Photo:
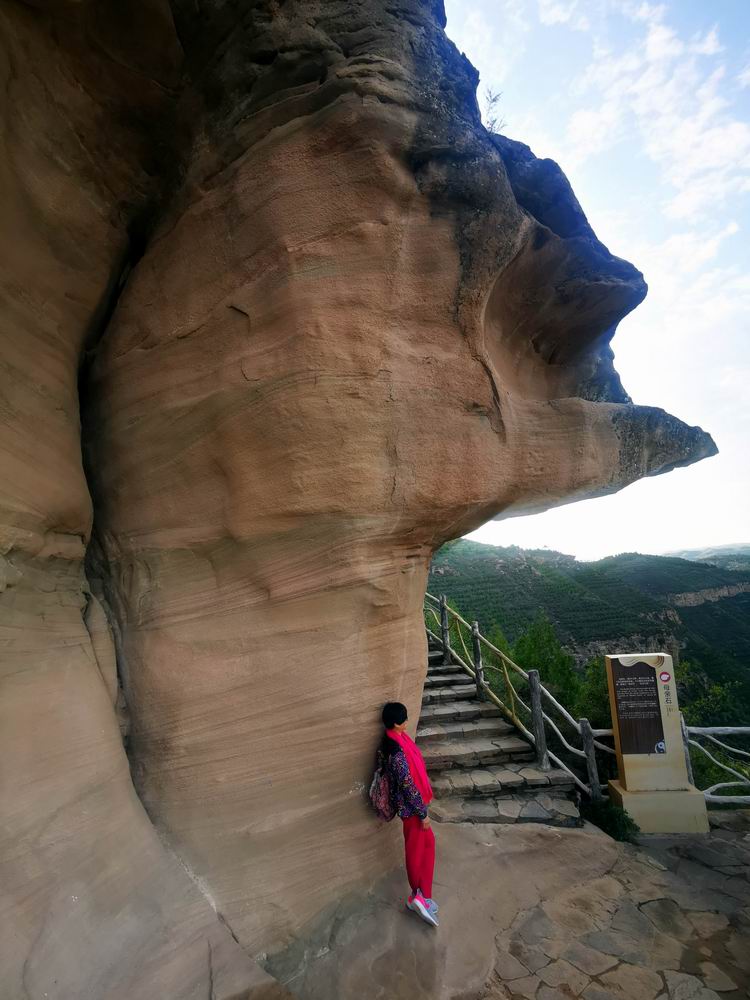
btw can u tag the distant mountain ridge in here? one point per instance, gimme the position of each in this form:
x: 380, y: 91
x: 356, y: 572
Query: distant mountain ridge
x: 735, y: 556
x: 628, y: 602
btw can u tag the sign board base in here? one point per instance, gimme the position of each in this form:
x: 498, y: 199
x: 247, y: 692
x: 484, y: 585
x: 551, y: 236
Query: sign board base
x: 678, y: 811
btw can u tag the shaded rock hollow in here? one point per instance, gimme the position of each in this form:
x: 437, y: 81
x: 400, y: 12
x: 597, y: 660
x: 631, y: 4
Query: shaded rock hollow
x: 300, y: 319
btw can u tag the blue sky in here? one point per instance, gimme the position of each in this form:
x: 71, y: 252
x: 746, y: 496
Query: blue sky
x: 646, y: 108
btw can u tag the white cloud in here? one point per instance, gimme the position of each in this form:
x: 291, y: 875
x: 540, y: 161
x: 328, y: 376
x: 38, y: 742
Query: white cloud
x: 492, y: 35
x: 592, y: 130
x: 528, y: 127
x: 563, y: 12
x: 743, y: 77
x: 644, y: 11
x: 709, y: 45
x: 668, y: 92
x: 682, y: 254
x: 662, y: 43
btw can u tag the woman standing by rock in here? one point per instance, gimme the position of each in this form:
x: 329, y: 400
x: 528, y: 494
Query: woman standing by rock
x: 411, y: 792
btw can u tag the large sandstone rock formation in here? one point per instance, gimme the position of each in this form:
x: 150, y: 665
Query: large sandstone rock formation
x: 315, y: 321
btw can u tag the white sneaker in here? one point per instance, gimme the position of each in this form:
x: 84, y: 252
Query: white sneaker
x: 431, y: 904
x: 418, y: 903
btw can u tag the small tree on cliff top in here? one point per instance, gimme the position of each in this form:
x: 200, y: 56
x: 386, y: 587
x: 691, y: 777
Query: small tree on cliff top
x: 492, y: 122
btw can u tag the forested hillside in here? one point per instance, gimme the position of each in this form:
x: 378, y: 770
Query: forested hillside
x: 699, y: 612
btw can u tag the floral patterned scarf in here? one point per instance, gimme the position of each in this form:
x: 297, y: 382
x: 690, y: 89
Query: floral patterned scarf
x: 415, y: 761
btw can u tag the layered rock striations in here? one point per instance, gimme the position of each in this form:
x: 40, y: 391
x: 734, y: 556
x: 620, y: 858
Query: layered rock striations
x: 323, y: 321
x: 91, y: 903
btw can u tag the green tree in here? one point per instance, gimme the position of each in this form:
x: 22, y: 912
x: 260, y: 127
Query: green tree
x: 538, y: 648
x: 705, y: 701
x: 498, y: 638
x: 457, y: 631
x: 593, y: 698
x: 460, y: 634
x: 496, y: 677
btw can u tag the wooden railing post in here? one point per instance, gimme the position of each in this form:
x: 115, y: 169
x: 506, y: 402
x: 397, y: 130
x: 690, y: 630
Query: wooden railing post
x: 478, y: 668
x: 686, y: 748
x: 537, y: 722
x: 444, y: 629
x: 593, y: 771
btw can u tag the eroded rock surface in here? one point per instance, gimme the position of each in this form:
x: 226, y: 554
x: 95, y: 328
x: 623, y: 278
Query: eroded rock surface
x: 317, y: 321
x: 91, y: 904
x: 535, y: 913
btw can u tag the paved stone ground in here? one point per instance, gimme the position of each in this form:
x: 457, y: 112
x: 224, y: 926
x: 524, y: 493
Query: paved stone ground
x: 532, y: 912
x: 670, y: 919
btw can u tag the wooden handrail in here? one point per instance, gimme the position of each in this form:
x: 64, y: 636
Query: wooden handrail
x: 539, y: 717
x: 506, y: 661
x: 515, y: 720
x: 582, y: 727
x: 724, y: 746
x: 707, y: 733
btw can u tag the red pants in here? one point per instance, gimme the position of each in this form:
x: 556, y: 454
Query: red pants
x: 419, y: 846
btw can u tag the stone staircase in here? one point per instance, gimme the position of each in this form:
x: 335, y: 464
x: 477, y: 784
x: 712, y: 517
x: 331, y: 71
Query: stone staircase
x: 481, y: 769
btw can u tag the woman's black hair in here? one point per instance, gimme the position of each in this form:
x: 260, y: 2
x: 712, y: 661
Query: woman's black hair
x: 394, y: 713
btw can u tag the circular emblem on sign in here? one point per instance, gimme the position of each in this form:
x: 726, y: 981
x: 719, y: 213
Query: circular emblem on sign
x: 664, y: 677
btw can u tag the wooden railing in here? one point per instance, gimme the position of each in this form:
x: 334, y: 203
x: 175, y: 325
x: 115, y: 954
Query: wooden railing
x: 692, y: 735
x: 447, y: 627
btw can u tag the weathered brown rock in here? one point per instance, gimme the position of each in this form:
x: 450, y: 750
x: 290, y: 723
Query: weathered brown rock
x: 347, y: 325
x: 91, y: 903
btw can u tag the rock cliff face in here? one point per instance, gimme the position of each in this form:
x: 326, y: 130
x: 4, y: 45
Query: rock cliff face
x: 91, y: 903
x: 317, y: 321
x: 693, y: 599
x: 638, y: 643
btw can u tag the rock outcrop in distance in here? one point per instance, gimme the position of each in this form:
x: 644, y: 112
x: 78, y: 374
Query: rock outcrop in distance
x: 279, y: 318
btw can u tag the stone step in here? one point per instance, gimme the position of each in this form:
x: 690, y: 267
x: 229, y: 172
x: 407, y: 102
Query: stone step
x: 435, y: 670
x: 481, y: 770
x: 432, y: 695
x: 441, y: 680
x: 443, y: 754
x: 458, y: 711
x: 470, y: 729
x: 501, y: 781
x: 540, y: 809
